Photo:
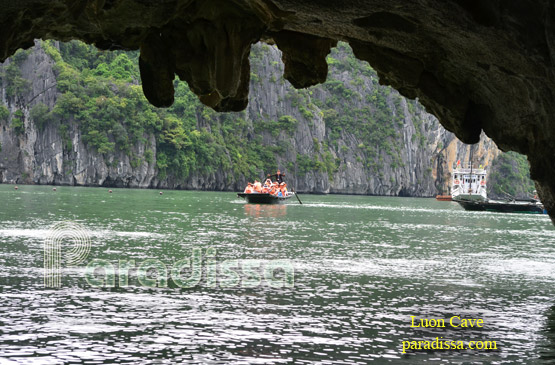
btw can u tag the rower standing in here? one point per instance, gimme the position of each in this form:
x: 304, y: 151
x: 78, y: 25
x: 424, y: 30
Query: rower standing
x: 279, y: 176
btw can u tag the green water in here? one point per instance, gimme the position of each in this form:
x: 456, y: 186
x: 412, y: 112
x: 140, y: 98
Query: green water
x: 362, y: 267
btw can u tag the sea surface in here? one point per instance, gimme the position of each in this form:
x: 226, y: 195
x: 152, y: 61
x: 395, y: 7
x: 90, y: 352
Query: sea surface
x: 332, y: 281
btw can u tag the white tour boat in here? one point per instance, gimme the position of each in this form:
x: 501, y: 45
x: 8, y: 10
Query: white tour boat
x: 468, y: 183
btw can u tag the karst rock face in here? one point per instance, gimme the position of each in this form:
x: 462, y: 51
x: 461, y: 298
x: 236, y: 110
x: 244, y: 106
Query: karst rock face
x: 477, y: 65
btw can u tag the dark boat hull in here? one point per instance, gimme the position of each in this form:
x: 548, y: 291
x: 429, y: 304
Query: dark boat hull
x: 263, y: 198
x: 502, y: 207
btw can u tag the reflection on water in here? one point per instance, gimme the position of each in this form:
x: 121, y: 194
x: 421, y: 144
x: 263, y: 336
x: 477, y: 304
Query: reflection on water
x: 265, y: 210
x: 363, y: 265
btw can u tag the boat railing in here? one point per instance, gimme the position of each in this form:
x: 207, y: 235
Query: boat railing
x: 477, y: 171
x: 466, y: 165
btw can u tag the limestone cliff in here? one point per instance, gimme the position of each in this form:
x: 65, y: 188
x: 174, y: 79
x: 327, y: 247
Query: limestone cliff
x: 349, y: 135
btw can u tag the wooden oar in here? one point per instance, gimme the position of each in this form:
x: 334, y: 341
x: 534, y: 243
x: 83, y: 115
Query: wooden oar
x: 297, y: 197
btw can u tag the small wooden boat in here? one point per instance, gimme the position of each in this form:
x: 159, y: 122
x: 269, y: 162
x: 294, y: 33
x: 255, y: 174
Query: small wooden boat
x: 446, y: 198
x: 261, y: 198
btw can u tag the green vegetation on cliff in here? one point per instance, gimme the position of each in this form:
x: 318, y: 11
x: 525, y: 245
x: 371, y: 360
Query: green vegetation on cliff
x: 4, y: 113
x: 509, y: 176
x: 11, y: 78
x: 101, y: 92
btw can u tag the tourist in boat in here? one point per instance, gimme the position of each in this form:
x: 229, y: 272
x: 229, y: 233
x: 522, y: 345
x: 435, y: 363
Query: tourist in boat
x: 266, y: 186
x: 282, y: 189
x: 257, y: 187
